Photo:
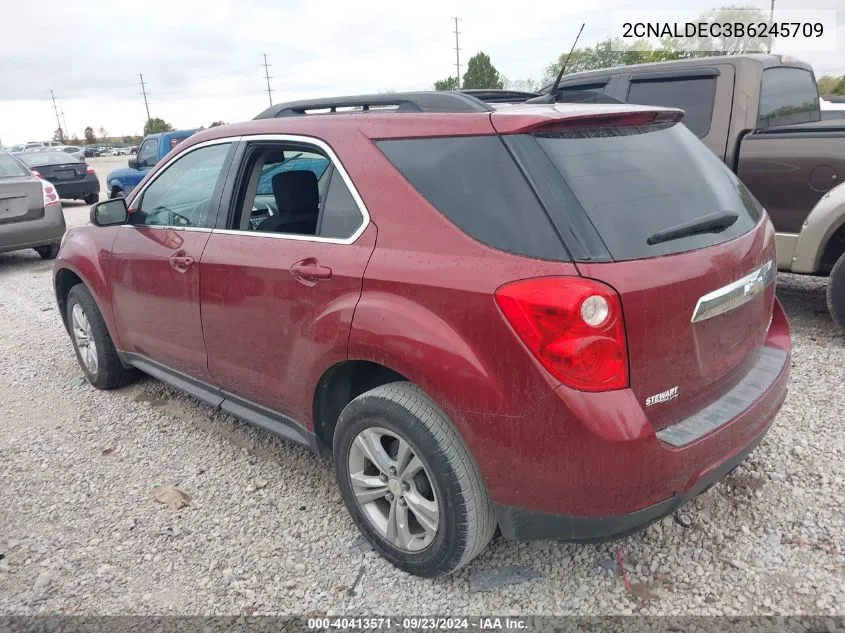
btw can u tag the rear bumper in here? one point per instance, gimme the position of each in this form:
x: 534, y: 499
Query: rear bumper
x: 528, y: 525
x: 31, y: 233
x: 78, y: 189
x: 587, y: 467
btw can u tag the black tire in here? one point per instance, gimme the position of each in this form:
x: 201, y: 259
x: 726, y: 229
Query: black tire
x: 466, y: 519
x: 48, y: 252
x: 836, y: 292
x: 117, y: 193
x: 91, y: 198
x: 109, y: 372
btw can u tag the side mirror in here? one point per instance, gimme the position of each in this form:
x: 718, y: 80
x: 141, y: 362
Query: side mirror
x: 133, y: 163
x: 109, y: 212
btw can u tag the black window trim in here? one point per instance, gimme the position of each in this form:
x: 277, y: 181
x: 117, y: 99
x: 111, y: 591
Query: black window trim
x: 233, y: 185
x: 138, y: 194
x: 681, y: 73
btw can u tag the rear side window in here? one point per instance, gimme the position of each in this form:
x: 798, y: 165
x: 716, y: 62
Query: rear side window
x: 634, y: 182
x: 476, y: 184
x: 833, y: 115
x: 788, y: 96
x: 693, y: 95
x: 10, y: 167
x: 341, y: 215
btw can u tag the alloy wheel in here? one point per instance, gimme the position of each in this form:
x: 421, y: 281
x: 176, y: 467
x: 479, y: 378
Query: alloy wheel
x: 83, y: 337
x: 394, y: 489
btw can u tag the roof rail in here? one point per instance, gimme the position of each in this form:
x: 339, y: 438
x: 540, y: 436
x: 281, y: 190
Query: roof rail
x: 428, y: 101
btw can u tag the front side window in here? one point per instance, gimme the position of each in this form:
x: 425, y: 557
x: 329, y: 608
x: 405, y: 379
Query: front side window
x: 294, y: 190
x: 182, y: 194
x: 788, y: 96
x: 148, y: 152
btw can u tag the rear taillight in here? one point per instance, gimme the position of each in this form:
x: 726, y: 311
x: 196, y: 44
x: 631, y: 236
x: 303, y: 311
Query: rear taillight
x: 573, y: 326
x: 90, y: 171
x: 51, y: 196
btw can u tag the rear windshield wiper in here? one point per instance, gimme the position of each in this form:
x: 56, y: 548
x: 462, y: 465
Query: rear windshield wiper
x: 713, y: 223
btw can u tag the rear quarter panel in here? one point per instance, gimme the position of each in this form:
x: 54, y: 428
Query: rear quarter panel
x: 427, y: 308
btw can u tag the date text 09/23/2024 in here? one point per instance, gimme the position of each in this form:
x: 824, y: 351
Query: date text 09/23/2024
x: 418, y: 623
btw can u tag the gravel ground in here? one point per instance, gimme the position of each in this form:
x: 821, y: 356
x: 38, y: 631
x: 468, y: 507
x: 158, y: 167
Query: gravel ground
x: 81, y: 533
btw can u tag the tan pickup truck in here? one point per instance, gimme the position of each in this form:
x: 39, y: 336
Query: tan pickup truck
x: 761, y: 115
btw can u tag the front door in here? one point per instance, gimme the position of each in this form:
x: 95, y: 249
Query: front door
x: 279, y: 285
x: 155, y: 261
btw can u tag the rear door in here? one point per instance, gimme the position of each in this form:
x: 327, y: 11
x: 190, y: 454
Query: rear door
x: 696, y: 306
x: 155, y: 260
x: 280, y: 282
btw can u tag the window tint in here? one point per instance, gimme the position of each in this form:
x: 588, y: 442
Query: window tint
x: 475, y: 183
x: 788, y: 96
x: 148, y: 153
x: 341, y: 216
x: 633, y: 182
x: 182, y: 194
x: 10, y: 167
x: 693, y: 95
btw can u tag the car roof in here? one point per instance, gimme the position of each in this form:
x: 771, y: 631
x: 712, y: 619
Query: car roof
x: 376, y: 124
x: 766, y: 61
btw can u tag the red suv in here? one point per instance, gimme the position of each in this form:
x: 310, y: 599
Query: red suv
x: 557, y: 319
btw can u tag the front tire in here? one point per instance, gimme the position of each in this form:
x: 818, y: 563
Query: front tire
x: 409, y: 482
x: 836, y: 292
x: 94, y: 349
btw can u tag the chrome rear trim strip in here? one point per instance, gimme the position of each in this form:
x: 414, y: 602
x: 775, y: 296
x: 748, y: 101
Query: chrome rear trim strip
x: 734, y: 294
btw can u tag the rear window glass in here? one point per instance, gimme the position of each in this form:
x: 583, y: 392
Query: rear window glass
x: 475, y: 183
x: 47, y: 158
x: 633, y: 182
x: 10, y: 167
x: 788, y: 96
x: 694, y: 96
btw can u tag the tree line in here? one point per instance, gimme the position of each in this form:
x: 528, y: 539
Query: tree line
x: 101, y: 136
x: 610, y: 52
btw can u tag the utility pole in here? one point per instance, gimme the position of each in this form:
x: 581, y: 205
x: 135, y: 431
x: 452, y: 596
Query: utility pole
x: 144, y: 92
x: 56, y: 109
x: 771, y: 21
x: 64, y: 120
x: 267, y: 76
x: 457, y: 53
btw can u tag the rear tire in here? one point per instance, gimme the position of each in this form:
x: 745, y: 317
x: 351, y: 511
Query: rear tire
x: 424, y: 507
x: 48, y: 252
x: 91, y: 198
x: 94, y: 349
x: 836, y: 292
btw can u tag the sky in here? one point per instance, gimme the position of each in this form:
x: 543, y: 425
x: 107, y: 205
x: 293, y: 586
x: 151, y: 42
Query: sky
x: 202, y: 59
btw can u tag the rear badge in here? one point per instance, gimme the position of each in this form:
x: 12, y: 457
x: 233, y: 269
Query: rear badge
x: 663, y: 396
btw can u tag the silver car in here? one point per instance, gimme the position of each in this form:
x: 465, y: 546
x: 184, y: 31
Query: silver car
x: 30, y: 210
